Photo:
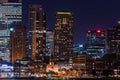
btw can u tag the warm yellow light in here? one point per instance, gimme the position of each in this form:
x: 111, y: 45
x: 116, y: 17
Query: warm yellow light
x: 119, y: 22
x: 63, y: 13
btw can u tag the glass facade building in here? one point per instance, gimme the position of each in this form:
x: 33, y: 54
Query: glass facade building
x: 10, y: 14
x: 96, y: 43
x: 49, y: 42
x: 78, y: 48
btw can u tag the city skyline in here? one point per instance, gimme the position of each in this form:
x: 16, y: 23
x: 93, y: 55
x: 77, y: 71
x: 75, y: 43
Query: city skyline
x: 87, y: 14
x: 42, y: 46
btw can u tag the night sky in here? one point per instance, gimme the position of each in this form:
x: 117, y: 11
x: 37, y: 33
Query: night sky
x: 88, y: 14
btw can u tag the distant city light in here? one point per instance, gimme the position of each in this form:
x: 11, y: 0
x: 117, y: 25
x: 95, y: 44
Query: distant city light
x: 63, y: 13
x: 118, y: 22
x: 11, y: 29
x: 80, y: 45
x: 89, y: 31
x: 98, y: 31
x: 40, y: 9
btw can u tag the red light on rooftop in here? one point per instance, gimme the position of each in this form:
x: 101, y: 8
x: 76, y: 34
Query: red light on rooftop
x: 89, y: 31
x: 98, y: 31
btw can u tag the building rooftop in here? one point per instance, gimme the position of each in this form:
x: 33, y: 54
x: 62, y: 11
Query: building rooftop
x: 64, y: 12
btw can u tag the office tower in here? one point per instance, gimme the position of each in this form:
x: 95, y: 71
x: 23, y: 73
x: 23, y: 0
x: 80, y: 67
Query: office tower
x: 113, y: 40
x: 63, y: 37
x: 96, y: 42
x: 37, y: 31
x: 10, y: 14
x: 17, y: 42
x: 49, y: 42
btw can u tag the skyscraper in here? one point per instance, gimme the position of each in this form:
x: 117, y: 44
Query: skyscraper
x: 96, y: 42
x: 10, y: 14
x: 18, y: 42
x: 63, y: 37
x: 113, y: 40
x: 37, y: 31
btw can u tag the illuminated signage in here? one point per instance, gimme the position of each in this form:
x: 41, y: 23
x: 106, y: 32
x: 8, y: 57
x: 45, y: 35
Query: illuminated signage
x: 64, y: 13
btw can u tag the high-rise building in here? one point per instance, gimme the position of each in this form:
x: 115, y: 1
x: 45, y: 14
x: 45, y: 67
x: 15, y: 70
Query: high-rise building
x: 63, y: 37
x: 113, y: 40
x: 37, y: 31
x: 96, y: 42
x: 10, y: 14
x: 18, y: 41
x: 49, y: 42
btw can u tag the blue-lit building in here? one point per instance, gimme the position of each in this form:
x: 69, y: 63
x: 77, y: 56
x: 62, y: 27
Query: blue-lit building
x: 10, y: 14
x: 78, y: 48
x: 96, y: 42
x: 6, y: 69
x: 49, y: 42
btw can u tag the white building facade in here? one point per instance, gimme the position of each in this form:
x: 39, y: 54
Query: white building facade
x: 10, y: 14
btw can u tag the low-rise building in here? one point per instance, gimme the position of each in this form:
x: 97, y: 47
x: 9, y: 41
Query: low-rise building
x: 79, y: 61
